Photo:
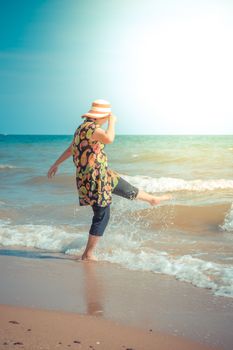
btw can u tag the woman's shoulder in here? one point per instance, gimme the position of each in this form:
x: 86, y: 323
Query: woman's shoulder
x: 88, y: 124
x: 85, y: 130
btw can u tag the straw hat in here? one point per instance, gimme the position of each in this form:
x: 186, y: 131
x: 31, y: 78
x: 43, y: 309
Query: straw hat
x: 99, y: 109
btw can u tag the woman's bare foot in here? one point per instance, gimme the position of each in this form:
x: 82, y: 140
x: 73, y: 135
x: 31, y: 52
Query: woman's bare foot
x: 89, y: 257
x: 91, y: 244
x: 153, y: 200
x: 156, y: 200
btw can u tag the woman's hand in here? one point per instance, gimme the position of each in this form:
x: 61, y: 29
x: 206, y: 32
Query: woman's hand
x: 52, y: 171
x: 66, y: 154
x: 112, y: 117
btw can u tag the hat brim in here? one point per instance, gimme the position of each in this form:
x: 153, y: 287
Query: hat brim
x: 95, y: 115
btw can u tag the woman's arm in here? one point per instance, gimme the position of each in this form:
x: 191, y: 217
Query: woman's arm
x: 66, y: 154
x: 108, y: 135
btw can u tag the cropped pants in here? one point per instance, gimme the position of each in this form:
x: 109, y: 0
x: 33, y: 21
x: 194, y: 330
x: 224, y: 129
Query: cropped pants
x: 102, y: 214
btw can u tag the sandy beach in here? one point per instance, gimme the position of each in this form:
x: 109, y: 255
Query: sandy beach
x: 104, y: 306
x: 29, y: 328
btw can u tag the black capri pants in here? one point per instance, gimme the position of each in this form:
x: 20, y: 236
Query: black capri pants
x: 102, y: 214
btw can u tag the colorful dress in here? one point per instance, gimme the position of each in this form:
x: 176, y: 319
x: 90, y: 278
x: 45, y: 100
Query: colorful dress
x: 95, y: 181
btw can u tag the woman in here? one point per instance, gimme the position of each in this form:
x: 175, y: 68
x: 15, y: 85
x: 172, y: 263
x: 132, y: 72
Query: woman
x: 95, y: 181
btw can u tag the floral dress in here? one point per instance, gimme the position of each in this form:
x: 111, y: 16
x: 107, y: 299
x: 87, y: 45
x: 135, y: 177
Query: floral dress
x: 95, y: 181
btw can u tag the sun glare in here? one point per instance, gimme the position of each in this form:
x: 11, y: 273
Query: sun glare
x: 183, y: 69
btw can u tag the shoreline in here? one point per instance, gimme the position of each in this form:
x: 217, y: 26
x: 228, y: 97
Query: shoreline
x: 108, y: 292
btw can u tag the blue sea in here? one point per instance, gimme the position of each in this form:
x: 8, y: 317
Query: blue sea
x: 189, y: 237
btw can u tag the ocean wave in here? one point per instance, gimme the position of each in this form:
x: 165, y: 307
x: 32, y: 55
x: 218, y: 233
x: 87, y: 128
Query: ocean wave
x: 228, y: 221
x: 188, y: 218
x: 144, y: 159
x: 146, y: 183
x: 50, y: 237
x: 7, y: 166
x: 203, y: 274
x: 200, y: 273
x: 60, y: 179
x: 129, y: 253
x: 157, y: 158
x: 168, y: 184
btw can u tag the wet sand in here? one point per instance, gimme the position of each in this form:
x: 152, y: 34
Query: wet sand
x: 61, y: 299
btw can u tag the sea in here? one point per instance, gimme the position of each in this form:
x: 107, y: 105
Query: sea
x: 189, y: 237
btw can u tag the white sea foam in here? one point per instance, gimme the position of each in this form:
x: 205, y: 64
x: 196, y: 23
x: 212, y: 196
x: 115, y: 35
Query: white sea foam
x: 47, y: 237
x: 129, y: 253
x: 165, y: 184
x: 7, y: 166
x: 228, y: 222
x: 4, y: 222
x: 201, y: 273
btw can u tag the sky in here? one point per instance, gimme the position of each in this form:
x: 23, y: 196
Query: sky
x: 165, y: 65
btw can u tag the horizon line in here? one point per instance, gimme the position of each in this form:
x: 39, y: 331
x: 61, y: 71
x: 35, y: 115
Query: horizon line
x: 6, y: 134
